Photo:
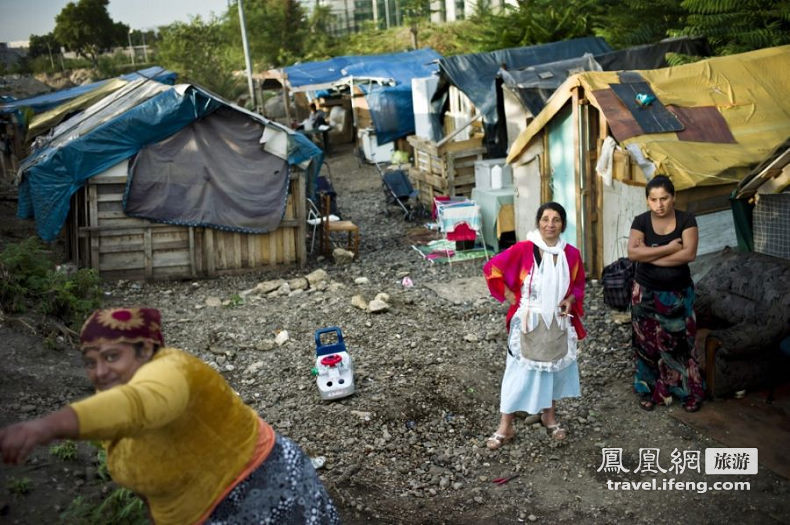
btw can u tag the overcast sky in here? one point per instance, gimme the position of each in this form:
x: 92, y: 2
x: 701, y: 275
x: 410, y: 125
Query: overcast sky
x: 21, y: 18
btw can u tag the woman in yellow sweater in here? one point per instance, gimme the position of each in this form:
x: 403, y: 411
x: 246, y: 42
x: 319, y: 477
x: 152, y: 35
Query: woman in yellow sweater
x: 176, y: 433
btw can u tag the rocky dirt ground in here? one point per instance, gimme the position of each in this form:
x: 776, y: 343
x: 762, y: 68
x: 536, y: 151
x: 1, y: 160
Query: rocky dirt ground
x: 408, y: 447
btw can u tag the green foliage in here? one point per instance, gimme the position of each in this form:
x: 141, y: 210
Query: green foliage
x: 86, y: 28
x: 200, y: 52
x: 44, y: 45
x: 678, y: 59
x: 737, y: 26
x: 19, y: 486
x: 101, y: 462
x: 277, y: 31
x: 235, y: 300
x: 28, y: 278
x: 533, y: 22
x: 120, y: 507
x: 624, y: 23
x: 64, y: 450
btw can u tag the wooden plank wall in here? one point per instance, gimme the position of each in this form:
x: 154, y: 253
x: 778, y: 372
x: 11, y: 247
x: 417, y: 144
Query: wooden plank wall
x: 103, y: 237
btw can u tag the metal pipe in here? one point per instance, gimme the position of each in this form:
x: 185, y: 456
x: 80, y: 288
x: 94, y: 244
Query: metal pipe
x: 247, y: 60
x: 131, y: 47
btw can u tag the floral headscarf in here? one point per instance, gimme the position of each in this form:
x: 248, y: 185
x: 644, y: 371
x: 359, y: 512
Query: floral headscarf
x: 122, y: 325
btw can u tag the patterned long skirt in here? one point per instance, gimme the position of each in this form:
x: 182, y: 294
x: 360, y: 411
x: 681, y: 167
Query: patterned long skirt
x: 285, y: 489
x: 664, y: 327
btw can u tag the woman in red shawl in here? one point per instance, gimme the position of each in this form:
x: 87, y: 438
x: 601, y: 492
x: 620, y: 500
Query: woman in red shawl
x: 543, y: 279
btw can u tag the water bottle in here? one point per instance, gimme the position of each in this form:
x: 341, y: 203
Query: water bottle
x: 496, y: 177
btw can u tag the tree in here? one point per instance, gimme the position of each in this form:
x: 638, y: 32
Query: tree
x: 625, y: 23
x: 533, y: 22
x: 43, y: 45
x: 87, y: 29
x: 199, y: 52
x: 736, y: 26
x: 319, y: 43
x: 277, y: 31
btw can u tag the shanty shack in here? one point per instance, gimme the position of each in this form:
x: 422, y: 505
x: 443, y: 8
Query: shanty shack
x: 171, y: 182
x: 706, y: 125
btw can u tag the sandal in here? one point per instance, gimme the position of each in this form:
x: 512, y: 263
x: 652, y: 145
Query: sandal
x: 692, y: 405
x: 496, y: 440
x: 646, y: 402
x: 555, y: 431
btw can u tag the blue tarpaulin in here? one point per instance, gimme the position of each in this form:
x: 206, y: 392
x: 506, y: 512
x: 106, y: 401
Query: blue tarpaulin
x: 475, y: 75
x: 390, y: 101
x: 52, y: 175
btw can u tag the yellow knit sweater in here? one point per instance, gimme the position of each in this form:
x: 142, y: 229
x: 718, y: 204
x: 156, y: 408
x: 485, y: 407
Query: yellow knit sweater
x: 177, y: 434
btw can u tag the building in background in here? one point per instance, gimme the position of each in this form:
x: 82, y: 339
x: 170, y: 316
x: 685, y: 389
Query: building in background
x: 351, y: 16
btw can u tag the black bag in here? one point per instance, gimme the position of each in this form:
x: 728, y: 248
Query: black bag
x: 617, y: 280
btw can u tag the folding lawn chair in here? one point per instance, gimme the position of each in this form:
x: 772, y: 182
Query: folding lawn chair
x: 398, y: 190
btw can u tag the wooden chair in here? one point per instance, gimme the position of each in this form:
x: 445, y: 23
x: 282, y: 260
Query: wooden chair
x: 330, y: 227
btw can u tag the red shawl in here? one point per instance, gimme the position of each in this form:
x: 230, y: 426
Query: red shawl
x: 510, y: 267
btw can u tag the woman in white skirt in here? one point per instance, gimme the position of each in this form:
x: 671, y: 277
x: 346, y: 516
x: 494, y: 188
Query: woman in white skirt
x: 543, y: 279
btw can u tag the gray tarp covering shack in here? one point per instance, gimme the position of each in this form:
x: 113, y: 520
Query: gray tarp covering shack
x: 241, y: 187
x: 475, y: 75
x: 535, y: 84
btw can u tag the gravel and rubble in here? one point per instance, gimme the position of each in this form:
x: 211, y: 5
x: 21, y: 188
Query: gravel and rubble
x: 428, y: 352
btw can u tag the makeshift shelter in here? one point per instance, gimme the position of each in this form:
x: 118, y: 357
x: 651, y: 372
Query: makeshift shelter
x: 44, y: 121
x: 761, y: 206
x: 49, y: 109
x: 170, y: 182
x: 475, y: 74
x: 41, y: 103
x: 522, y: 93
x: 380, y: 86
x: 706, y: 125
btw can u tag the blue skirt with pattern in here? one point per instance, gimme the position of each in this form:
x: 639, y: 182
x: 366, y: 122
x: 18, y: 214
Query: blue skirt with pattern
x: 285, y: 489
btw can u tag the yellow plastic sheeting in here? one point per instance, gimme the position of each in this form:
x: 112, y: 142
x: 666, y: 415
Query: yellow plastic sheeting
x: 751, y: 91
x: 44, y: 121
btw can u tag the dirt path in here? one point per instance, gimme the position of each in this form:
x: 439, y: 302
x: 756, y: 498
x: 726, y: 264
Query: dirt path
x: 408, y: 447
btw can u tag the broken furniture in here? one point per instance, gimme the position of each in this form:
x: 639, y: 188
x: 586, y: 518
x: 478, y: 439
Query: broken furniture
x: 743, y: 314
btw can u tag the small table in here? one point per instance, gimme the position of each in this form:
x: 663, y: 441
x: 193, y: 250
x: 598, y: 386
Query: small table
x: 497, y: 213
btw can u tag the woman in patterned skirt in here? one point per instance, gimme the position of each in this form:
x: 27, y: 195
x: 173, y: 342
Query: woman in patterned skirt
x: 663, y: 241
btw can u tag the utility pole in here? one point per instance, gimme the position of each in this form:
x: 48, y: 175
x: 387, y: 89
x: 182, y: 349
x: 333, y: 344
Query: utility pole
x: 51, y: 62
x: 131, y: 48
x: 246, y: 54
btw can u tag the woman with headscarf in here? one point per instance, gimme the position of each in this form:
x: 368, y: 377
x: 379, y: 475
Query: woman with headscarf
x: 543, y: 279
x: 176, y: 433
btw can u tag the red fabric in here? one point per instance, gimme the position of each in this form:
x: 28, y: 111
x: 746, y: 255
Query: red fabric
x: 122, y: 325
x: 462, y: 232
x: 510, y: 267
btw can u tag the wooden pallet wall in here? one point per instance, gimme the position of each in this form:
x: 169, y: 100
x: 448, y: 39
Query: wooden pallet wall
x: 447, y: 169
x: 101, y: 236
